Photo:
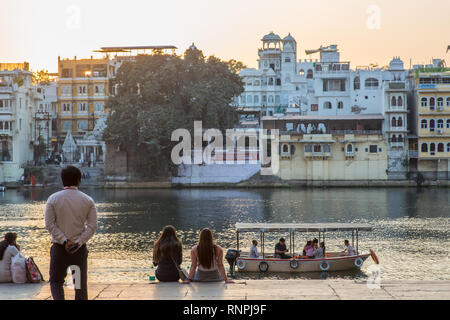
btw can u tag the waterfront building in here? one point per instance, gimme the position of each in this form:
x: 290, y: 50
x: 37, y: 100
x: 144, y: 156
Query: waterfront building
x: 432, y: 101
x: 45, y: 121
x: 328, y: 87
x: 336, y: 148
x: 18, y: 101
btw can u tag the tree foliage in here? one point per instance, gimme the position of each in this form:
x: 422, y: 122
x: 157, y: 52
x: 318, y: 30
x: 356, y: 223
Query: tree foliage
x: 157, y: 94
x: 41, y: 77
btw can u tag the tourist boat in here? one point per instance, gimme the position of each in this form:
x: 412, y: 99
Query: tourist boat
x: 333, y: 261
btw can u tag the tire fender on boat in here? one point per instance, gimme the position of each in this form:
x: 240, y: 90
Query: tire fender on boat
x: 374, y: 256
x: 326, y: 267
x: 359, y: 262
x: 241, y: 264
x: 294, y: 264
x: 263, y: 266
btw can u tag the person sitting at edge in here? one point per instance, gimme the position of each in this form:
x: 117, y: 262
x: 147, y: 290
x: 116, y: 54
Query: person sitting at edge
x: 254, y: 250
x: 8, y: 249
x: 349, y: 250
x: 207, y: 260
x: 320, y: 252
x: 71, y: 219
x: 167, y: 255
x: 281, y: 250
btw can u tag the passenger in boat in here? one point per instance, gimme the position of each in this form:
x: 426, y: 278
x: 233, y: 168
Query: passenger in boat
x: 308, y: 250
x: 349, y: 250
x: 254, y: 250
x: 8, y: 249
x: 281, y: 250
x: 320, y: 251
x: 167, y: 255
x: 207, y: 260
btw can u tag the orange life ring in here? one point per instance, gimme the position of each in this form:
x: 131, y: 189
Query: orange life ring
x: 374, y: 256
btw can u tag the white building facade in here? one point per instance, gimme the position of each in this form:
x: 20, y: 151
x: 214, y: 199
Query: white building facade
x: 18, y: 102
x: 327, y: 87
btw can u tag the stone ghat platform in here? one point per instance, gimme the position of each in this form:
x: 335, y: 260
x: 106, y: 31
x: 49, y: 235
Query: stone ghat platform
x: 244, y: 290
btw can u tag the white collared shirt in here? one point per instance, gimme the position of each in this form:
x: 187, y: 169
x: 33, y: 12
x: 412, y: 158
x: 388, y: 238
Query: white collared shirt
x: 70, y: 215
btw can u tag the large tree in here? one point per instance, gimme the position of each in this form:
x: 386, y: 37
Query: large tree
x: 159, y: 93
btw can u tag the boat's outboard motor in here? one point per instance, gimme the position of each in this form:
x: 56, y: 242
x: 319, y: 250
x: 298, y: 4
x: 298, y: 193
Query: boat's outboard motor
x: 231, y: 257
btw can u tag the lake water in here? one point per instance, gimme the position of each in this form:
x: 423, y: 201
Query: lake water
x: 410, y: 237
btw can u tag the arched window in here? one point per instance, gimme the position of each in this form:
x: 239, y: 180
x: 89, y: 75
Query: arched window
x: 318, y: 67
x: 371, y: 83
x: 432, y: 147
x: 249, y: 99
x: 270, y: 81
x: 432, y: 102
x: 448, y: 147
x: 400, y: 122
x: 270, y: 99
x: 256, y: 99
x: 448, y: 124
x: 440, y: 102
x: 302, y: 72
x: 424, y: 147
x: 448, y: 101
x: 424, y: 102
x: 400, y: 138
x: 356, y: 83
x: 423, y: 124
x: 394, y: 102
x: 440, y: 147
x: 310, y: 74
x: 350, y: 148
x: 394, y: 122
x: 440, y: 124
x: 243, y: 99
x: 285, y: 148
x: 400, y: 102
x: 432, y: 125
x: 394, y: 138
x: 327, y: 105
x: 340, y: 105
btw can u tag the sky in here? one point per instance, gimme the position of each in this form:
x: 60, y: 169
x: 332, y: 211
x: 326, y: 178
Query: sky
x: 366, y: 31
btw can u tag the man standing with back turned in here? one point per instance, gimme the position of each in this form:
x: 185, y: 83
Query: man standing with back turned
x: 71, y: 219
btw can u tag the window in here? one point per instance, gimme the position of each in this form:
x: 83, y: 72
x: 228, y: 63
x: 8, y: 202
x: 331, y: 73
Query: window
x: 66, y: 125
x: 340, y: 105
x: 264, y: 99
x: 99, y: 107
x: 440, y: 102
x: 82, y: 125
x: 256, y: 82
x: 424, y: 102
x: 327, y: 105
x: 310, y: 74
x: 393, y: 102
x: 333, y: 85
x: 277, y: 99
x: 440, y: 147
x: 371, y: 83
x: 356, y: 83
x: 432, y: 148
x: 400, y: 122
x: 448, y: 124
x: 448, y: 147
x: 82, y: 107
x: 448, y: 101
x: 249, y: 82
x: 373, y: 148
x: 270, y: 81
x: 285, y: 148
x: 432, y: 103
x: 287, y: 60
x: 243, y: 99
x: 349, y: 148
x: 424, y: 124
x: 302, y: 72
x: 6, y: 150
x: 394, y: 138
x: 394, y: 122
x: 249, y: 99
x: 314, y: 107
x: 270, y: 99
x: 440, y: 124
x: 400, y: 102
x: 317, y: 148
x: 278, y: 82
x: 82, y: 89
x: 256, y: 99
x: 326, y: 148
x: 432, y: 125
x: 424, y: 147
x: 308, y: 148
x: 400, y: 138
x: 66, y: 107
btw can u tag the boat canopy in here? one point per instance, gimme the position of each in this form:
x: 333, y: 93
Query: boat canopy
x: 301, y: 227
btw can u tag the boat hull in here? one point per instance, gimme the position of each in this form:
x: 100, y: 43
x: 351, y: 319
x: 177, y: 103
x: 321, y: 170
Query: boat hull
x: 304, y: 265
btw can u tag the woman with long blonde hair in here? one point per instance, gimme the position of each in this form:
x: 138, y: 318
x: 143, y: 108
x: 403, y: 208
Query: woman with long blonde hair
x: 207, y: 260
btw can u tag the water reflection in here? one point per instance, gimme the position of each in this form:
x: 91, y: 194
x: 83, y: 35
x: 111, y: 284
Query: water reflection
x: 411, y: 226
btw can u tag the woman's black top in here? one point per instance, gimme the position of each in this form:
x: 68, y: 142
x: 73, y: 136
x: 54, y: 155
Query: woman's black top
x: 166, y: 267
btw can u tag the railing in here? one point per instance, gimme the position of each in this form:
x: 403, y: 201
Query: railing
x: 6, y: 89
x: 5, y: 132
x: 5, y: 110
x: 371, y: 132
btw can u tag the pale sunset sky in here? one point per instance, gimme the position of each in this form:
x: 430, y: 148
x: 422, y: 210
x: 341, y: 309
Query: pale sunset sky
x: 366, y: 31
